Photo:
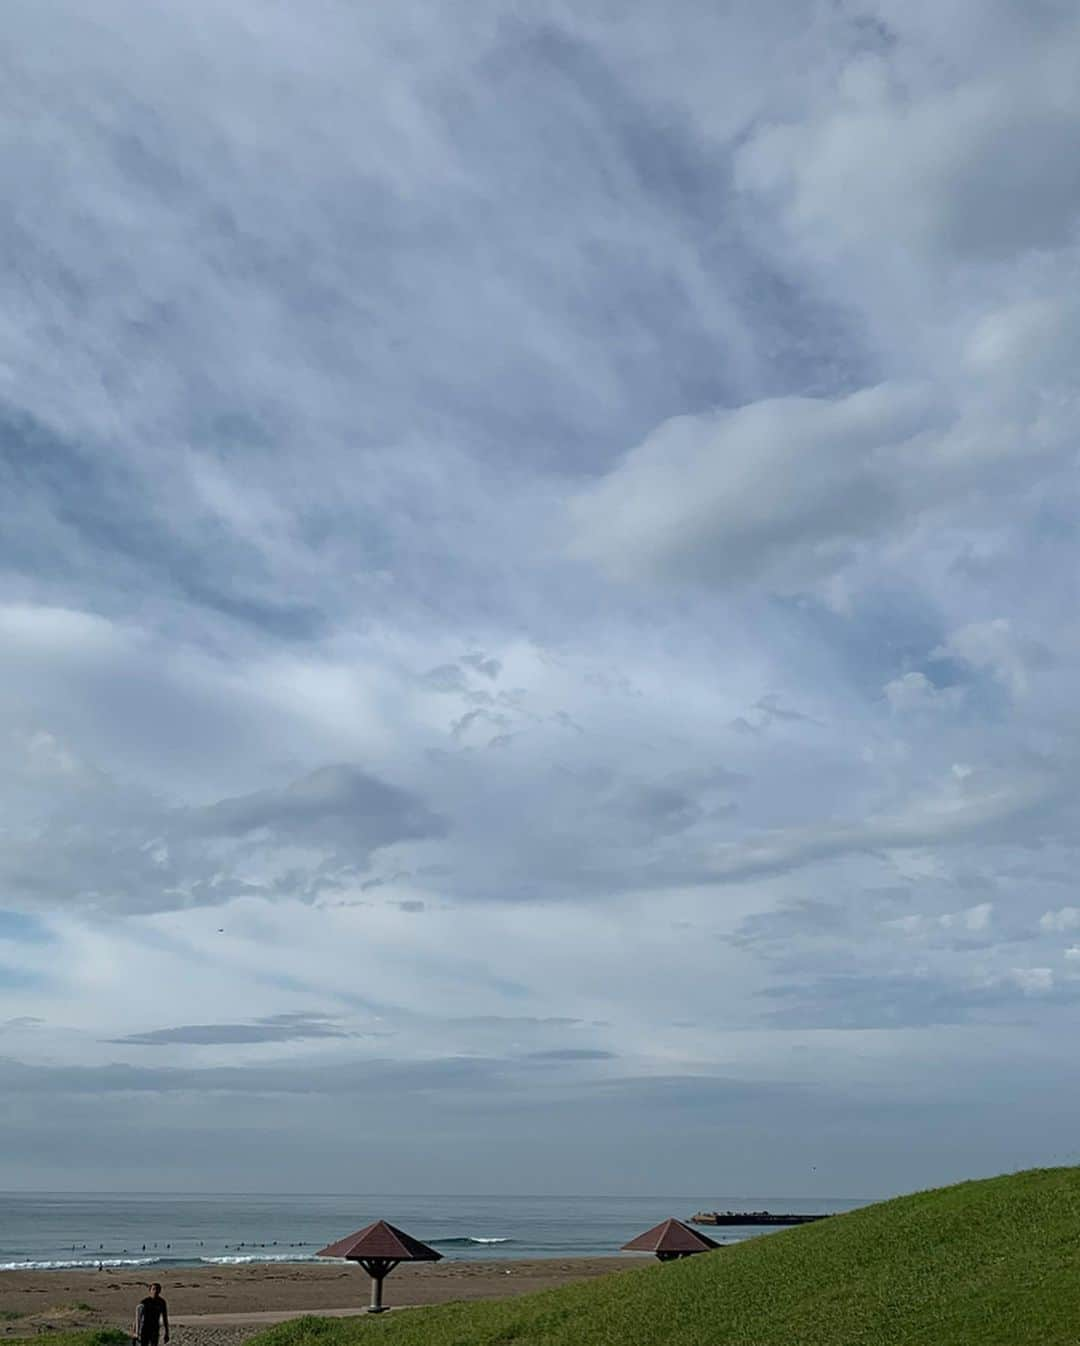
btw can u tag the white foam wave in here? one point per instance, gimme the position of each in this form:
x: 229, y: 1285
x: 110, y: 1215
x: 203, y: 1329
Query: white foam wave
x: 264, y: 1257
x: 469, y: 1241
x: 76, y: 1264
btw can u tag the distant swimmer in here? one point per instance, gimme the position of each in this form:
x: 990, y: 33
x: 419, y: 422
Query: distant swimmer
x: 151, y: 1315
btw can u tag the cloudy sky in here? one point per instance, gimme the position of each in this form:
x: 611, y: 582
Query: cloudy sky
x: 538, y: 572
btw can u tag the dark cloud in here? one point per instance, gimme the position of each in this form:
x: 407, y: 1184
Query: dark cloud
x: 573, y: 1054
x: 444, y: 678
x: 274, y: 1028
x: 516, y: 1020
x: 771, y: 709
x: 662, y: 808
x: 774, y: 932
x: 461, y: 726
x: 481, y: 663
x: 342, y: 805
x: 313, y: 836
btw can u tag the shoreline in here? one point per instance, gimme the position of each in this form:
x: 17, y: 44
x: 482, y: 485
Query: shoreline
x: 70, y: 1299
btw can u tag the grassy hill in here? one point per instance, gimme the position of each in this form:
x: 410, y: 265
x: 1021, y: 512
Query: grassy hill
x: 993, y: 1263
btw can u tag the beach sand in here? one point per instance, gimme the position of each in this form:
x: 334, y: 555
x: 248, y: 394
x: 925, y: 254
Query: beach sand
x: 220, y: 1306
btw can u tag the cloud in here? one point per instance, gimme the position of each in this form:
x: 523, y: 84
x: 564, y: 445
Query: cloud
x: 287, y: 1078
x: 1034, y: 980
x: 520, y: 1020
x: 484, y: 664
x: 910, y: 1000
x: 774, y: 933
x: 974, y: 920
x: 445, y: 678
x: 145, y: 856
x: 956, y: 811
x: 913, y: 692
x: 572, y: 1054
x: 992, y: 646
x: 977, y: 169
x: 340, y: 804
x: 738, y: 494
x: 681, y: 408
x: 273, y: 1028
x: 1067, y: 918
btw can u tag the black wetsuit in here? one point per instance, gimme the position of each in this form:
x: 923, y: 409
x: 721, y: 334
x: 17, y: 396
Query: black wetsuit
x: 152, y: 1312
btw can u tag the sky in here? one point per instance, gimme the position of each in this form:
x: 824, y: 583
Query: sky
x: 538, y: 572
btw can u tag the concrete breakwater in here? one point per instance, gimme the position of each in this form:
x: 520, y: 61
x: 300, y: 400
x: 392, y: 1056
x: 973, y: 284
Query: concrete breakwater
x: 753, y: 1217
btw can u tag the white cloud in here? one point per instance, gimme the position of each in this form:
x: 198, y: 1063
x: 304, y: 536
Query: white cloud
x: 978, y: 167
x: 783, y: 485
x: 991, y: 646
x: 789, y: 491
x: 53, y: 632
x: 957, y: 811
x: 1065, y: 918
x: 979, y: 916
x: 1034, y: 980
x: 1027, y: 348
x: 974, y: 920
x: 914, y: 691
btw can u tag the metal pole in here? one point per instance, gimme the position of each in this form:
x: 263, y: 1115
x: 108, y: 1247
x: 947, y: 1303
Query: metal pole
x: 376, y: 1295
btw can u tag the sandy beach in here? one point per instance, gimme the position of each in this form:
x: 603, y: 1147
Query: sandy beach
x: 225, y: 1304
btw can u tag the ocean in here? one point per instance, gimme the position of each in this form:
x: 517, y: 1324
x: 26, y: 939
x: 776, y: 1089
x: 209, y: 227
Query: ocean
x: 56, y: 1231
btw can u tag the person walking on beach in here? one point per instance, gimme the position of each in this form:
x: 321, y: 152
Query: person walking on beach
x: 151, y: 1315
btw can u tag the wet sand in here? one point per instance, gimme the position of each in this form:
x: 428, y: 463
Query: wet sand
x: 62, y: 1300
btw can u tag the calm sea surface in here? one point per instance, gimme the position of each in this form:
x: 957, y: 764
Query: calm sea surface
x: 159, y: 1230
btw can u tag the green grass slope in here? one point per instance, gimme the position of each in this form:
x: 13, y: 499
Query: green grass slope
x: 95, y: 1336
x: 994, y: 1263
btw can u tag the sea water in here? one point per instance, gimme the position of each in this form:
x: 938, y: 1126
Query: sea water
x: 57, y: 1231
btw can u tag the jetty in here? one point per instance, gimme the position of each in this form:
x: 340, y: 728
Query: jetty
x: 750, y: 1217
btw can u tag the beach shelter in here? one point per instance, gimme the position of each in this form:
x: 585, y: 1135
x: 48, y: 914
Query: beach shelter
x: 379, y: 1247
x: 668, y: 1240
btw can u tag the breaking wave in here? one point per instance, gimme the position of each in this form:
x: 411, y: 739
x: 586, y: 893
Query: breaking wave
x: 239, y: 1260
x: 114, y: 1263
x: 469, y: 1242
x: 88, y: 1263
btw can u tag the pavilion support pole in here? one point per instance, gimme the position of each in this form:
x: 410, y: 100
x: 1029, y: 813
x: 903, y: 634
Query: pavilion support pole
x: 378, y: 1268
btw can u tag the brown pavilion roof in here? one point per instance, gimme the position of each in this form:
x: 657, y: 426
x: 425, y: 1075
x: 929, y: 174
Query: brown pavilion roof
x: 381, y: 1240
x: 670, y: 1236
